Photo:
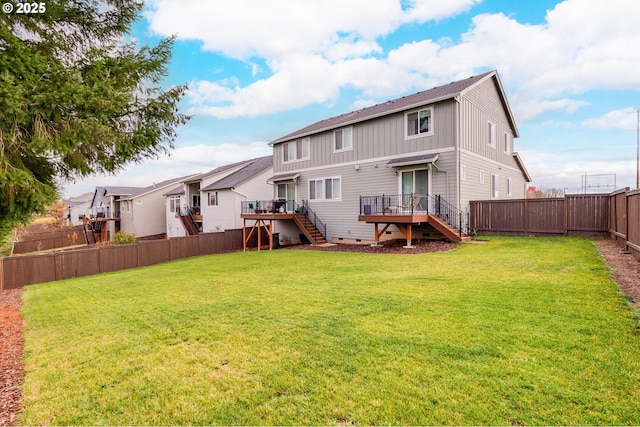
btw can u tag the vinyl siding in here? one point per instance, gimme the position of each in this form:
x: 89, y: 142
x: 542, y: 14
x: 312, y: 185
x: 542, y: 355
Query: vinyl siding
x: 381, y: 137
x: 372, y: 178
x: 479, y: 107
x: 147, y: 216
x: 226, y: 215
x: 472, y: 189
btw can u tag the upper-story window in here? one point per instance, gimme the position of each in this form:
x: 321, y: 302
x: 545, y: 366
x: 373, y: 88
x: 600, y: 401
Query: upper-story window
x: 507, y: 143
x: 419, y: 123
x: 491, y: 136
x: 296, y: 150
x: 342, y: 139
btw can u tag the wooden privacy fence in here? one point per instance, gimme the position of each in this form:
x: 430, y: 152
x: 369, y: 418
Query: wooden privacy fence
x: 19, y: 271
x: 624, y: 228
x: 572, y: 214
x: 43, y: 237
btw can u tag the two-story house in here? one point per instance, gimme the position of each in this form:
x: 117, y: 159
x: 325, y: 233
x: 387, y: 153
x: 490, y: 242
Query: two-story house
x: 210, y: 202
x: 404, y: 168
x: 143, y: 212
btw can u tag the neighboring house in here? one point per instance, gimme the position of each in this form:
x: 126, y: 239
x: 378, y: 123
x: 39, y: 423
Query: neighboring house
x: 106, y: 208
x: 143, y: 213
x: 222, y: 199
x: 78, y: 207
x: 184, y: 203
x: 406, y: 166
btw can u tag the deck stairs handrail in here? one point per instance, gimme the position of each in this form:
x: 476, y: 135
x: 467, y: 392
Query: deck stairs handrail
x: 186, y: 213
x: 311, y: 216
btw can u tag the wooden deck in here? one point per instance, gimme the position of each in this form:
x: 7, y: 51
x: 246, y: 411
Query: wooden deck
x: 398, y: 218
x: 404, y: 222
x: 267, y: 216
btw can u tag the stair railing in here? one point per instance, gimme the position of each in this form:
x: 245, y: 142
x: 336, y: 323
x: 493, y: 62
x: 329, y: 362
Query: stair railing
x: 188, y: 212
x: 453, y: 216
x: 312, y: 217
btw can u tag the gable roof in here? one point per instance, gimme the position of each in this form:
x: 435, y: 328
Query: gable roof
x: 241, y: 175
x: 438, y: 93
x: 159, y: 185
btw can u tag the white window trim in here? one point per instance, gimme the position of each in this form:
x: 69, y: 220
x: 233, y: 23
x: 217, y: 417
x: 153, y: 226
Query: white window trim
x: 482, y: 176
x: 507, y: 143
x: 463, y: 172
x: 418, y: 135
x: 493, y: 134
x: 339, y: 150
x: 217, y: 200
x: 307, y: 141
x: 509, y: 187
x: 495, y: 188
x: 176, y: 203
x: 324, y: 180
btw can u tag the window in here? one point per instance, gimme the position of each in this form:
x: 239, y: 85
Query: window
x: 418, y: 123
x: 507, y: 143
x: 174, y: 203
x: 128, y: 205
x: 482, y: 174
x: 325, y: 189
x: 492, y: 135
x: 508, y: 186
x: 213, y: 198
x: 342, y: 139
x: 495, y: 186
x: 296, y: 150
x: 463, y: 172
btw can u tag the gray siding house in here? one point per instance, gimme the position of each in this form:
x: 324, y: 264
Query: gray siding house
x: 399, y: 163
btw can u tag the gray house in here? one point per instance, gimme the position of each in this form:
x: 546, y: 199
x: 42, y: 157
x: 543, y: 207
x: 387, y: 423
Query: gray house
x: 404, y: 168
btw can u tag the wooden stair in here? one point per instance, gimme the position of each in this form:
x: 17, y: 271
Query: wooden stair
x: 447, y: 230
x: 189, y: 226
x: 309, y: 230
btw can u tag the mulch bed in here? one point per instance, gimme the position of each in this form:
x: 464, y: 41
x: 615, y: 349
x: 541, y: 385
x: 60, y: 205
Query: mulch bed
x: 11, y: 370
x: 624, y: 267
x: 387, y: 247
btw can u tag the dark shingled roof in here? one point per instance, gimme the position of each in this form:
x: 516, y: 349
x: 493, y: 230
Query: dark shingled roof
x: 438, y: 93
x: 241, y: 175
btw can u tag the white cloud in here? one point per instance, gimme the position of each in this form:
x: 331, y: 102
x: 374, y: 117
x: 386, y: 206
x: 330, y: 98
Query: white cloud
x: 625, y: 119
x: 314, y: 48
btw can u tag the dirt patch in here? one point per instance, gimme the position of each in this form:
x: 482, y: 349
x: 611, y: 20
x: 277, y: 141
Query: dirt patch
x: 11, y: 370
x: 625, y: 268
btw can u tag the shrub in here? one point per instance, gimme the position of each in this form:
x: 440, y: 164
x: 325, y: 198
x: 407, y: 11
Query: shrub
x: 123, y: 238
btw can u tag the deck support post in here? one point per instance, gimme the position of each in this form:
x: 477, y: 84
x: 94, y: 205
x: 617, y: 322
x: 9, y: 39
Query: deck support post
x: 256, y: 226
x: 244, y: 235
x: 378, y: 234
x: 407, y: 234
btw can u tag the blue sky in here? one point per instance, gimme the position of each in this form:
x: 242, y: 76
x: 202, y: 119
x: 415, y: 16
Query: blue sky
x: 259, y: 70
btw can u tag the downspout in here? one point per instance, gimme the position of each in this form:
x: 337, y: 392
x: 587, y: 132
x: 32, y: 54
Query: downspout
x: 458, y: 182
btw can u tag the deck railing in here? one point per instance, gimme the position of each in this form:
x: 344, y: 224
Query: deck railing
x: 267, y: 206
x: 415, y: 204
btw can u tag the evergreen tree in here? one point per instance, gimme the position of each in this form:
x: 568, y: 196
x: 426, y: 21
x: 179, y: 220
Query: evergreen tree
x: 77, y: 98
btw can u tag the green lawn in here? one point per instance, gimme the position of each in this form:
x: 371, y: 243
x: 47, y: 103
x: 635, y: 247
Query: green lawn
x: 514, y: 331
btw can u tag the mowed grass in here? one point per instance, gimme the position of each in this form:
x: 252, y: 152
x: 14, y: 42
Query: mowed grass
x: 514, y: 331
